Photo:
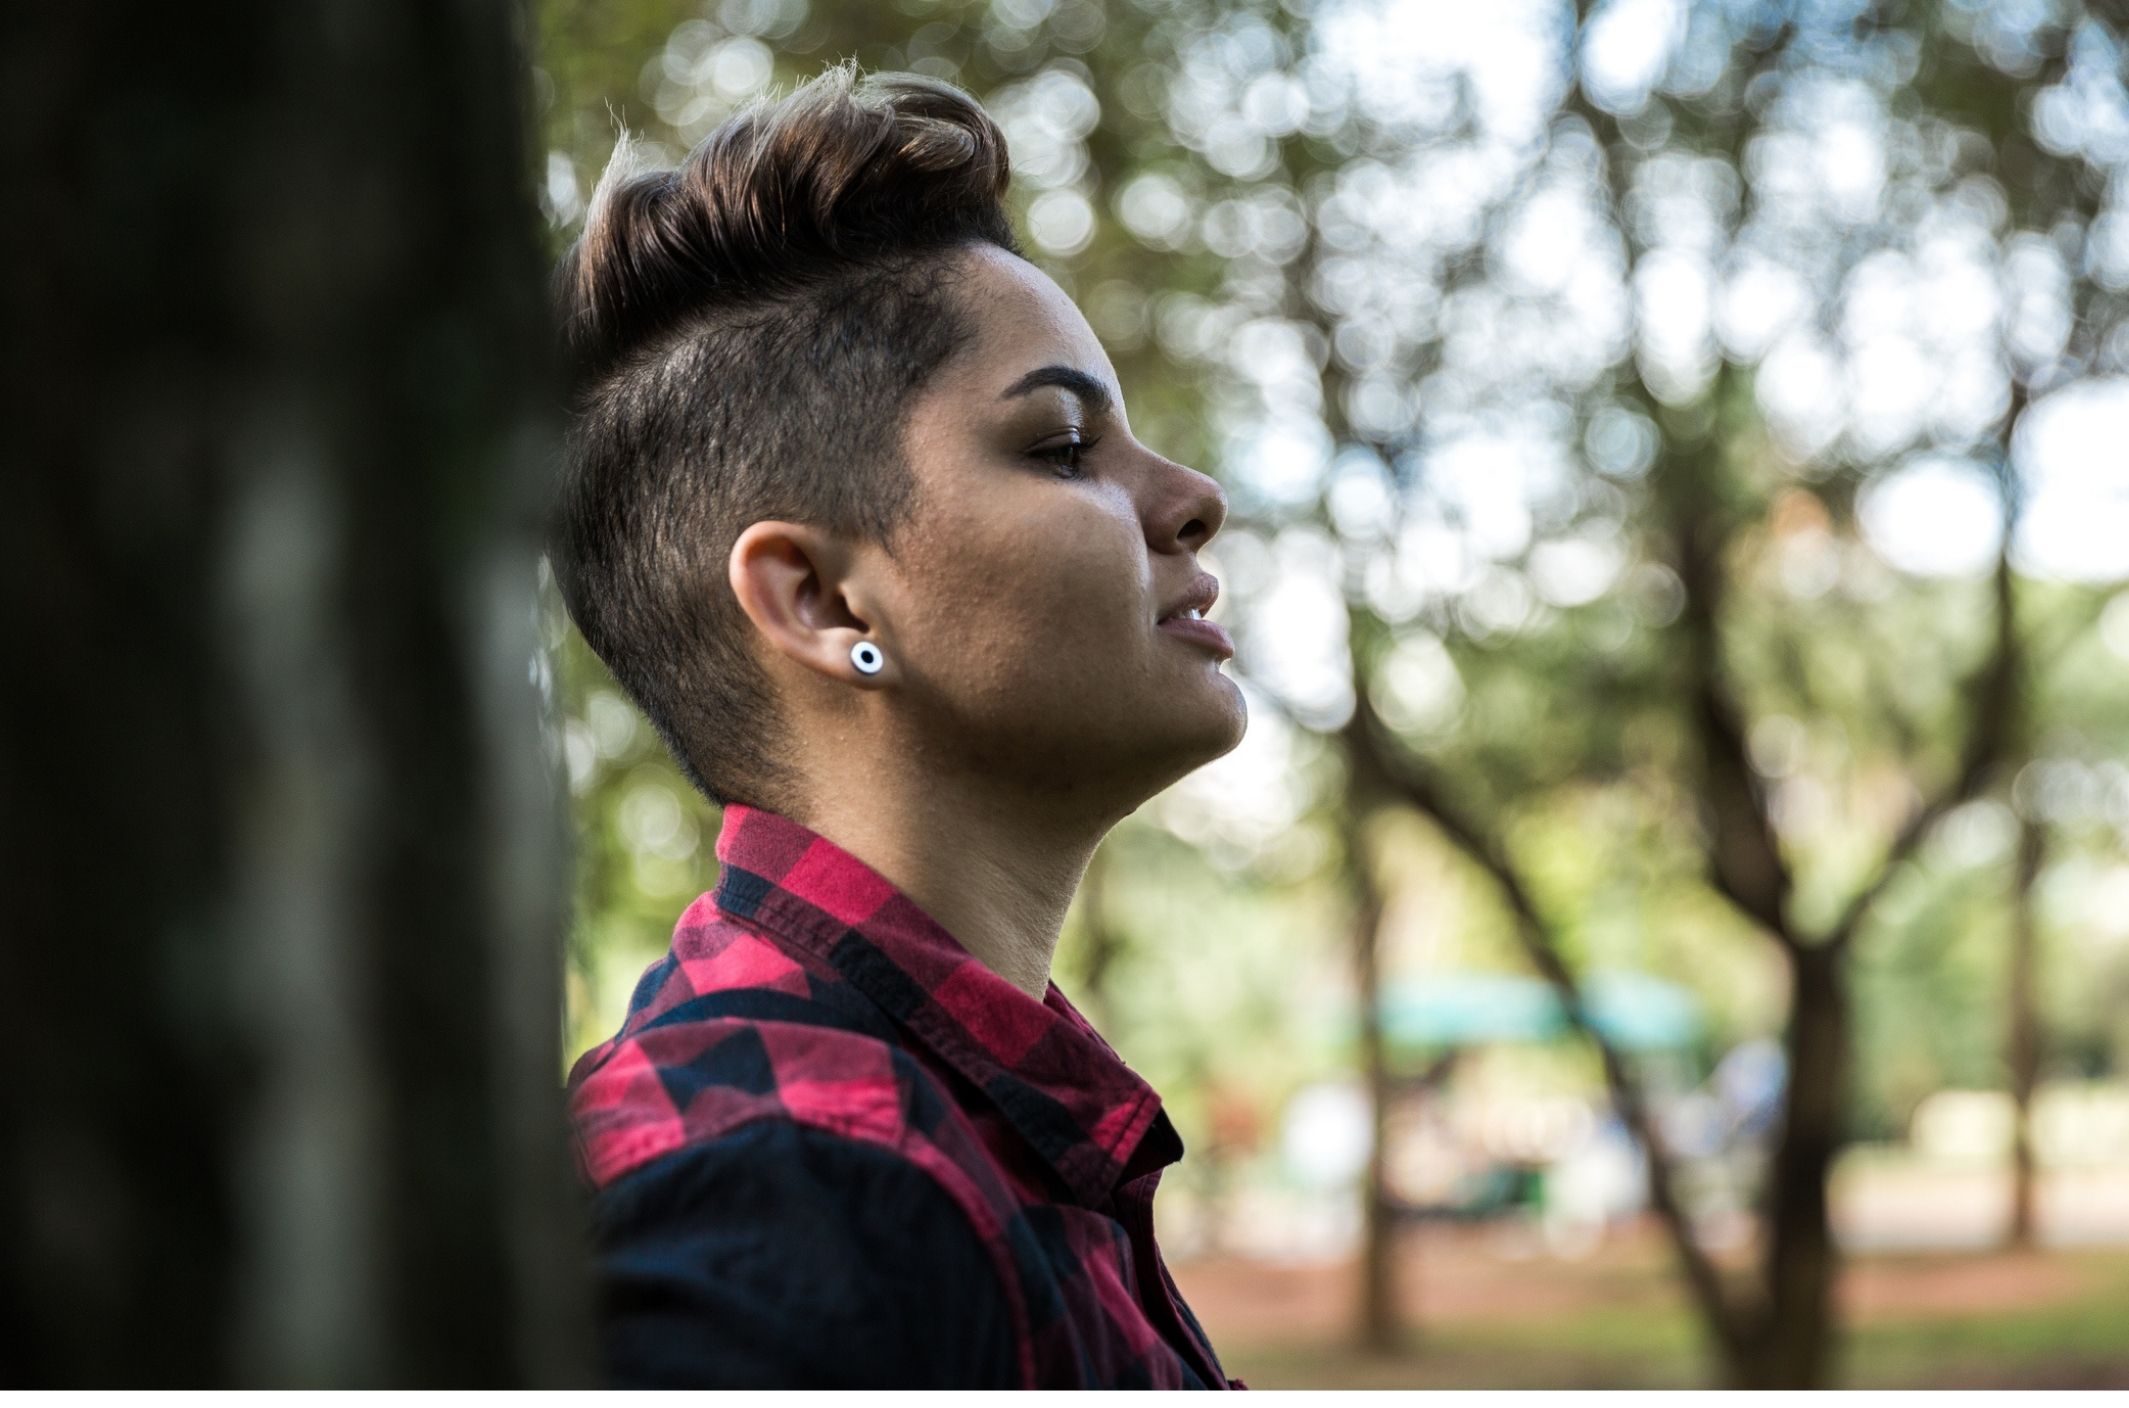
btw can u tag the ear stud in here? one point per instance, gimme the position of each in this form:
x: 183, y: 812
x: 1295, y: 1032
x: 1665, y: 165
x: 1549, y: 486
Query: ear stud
x: 866, y: 656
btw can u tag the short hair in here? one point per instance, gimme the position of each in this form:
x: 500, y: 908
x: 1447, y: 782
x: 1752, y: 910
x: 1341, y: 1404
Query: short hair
x: 743, y: 335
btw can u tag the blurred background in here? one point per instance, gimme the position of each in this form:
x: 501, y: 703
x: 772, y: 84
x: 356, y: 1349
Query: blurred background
x: 1668, y: 922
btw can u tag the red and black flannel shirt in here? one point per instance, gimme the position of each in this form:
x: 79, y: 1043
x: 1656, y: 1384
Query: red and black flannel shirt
x: 828, y: 1147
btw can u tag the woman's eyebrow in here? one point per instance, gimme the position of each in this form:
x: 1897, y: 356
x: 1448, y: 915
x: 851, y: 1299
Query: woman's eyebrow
x: 1088, y: 388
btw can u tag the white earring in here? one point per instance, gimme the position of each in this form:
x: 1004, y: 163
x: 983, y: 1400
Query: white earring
x: 866, y: 656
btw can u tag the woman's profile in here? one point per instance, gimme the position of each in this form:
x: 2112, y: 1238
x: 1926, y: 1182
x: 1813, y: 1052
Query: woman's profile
x: 854, y: 512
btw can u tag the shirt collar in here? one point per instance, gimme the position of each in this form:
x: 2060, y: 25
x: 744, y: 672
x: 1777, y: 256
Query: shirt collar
x: 1091, y: 1117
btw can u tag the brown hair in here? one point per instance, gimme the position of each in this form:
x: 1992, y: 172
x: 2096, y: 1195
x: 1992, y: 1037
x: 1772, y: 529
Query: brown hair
x: 743, y: 336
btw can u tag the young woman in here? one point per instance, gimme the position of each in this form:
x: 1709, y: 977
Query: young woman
x: 854, y: 512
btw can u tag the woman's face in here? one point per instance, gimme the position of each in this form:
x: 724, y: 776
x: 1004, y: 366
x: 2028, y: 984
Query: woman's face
x: 1045, y: 545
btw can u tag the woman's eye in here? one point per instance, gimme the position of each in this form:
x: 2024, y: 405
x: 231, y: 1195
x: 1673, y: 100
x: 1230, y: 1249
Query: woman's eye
x: 1067, y: 455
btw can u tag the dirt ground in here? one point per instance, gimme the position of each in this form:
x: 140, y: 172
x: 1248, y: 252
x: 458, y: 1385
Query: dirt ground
x: 1489, y: 1308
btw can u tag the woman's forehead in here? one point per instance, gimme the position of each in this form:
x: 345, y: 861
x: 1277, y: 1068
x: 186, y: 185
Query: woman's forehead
x: 1022, y: 322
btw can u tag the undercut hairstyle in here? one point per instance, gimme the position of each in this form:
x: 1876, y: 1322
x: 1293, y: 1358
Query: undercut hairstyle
x: 743, y: 337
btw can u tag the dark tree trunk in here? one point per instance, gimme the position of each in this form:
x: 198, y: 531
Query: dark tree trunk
x: 2024, y: 1032
x: 1367, y: 786
x: 1381, y: 1325
x: 1794, y: 1346
x: 1099, y: 934
x: 283, y: 994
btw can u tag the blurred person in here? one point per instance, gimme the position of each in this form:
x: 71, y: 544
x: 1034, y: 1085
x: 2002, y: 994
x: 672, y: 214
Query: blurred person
x: 853, y: 511
x: 1749, y: 1082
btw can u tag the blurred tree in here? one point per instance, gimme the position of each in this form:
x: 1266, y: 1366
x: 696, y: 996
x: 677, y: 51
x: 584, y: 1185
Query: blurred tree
x: 1664, y: 172
x: 1100, y: 940
x: 2023, y: 1028
x: 282, y: 990
x: 1382, y: 1327
x: 1703, y: 488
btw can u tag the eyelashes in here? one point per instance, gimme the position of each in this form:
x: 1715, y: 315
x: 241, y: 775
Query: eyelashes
x: 1069, y: 454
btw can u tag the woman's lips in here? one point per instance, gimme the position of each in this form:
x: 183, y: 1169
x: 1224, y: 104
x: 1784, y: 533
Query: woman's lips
x: 1202, y: 631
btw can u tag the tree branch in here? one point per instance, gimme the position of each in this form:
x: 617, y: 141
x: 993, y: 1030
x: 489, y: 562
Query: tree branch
x: 1383, y: 769
x: 1993, y: 719
x: 1744, y: 856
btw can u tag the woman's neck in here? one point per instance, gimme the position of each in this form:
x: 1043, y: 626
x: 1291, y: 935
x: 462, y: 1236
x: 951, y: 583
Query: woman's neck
x: 997, y: 869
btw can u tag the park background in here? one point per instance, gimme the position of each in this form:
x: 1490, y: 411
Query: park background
x: 1668, y: 921
x: 1630, y: 405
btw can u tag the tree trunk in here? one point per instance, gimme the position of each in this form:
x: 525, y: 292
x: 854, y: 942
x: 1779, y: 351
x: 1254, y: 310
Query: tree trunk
x: 1794, y: 1346
x: 1380, y: 1321
x: 1367, y: 787
x: 283, y: 1009
x: 1381, y: 1325
x: 1099, y: 934
x: 2024, y: 1032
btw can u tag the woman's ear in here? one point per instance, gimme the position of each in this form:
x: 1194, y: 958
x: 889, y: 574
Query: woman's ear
x: 792, y: 581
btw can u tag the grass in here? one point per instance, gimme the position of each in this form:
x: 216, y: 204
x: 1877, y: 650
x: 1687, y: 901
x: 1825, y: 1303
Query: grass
x: 2082, y: 1341
x: 2079, y: 1339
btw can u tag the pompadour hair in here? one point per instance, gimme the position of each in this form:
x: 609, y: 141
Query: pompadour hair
x: 743, y: 335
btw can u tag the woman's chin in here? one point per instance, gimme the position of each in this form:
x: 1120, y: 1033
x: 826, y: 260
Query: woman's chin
x: 1219, y: 716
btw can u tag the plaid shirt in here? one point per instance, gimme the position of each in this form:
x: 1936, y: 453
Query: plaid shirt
x: 831, y: 1148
